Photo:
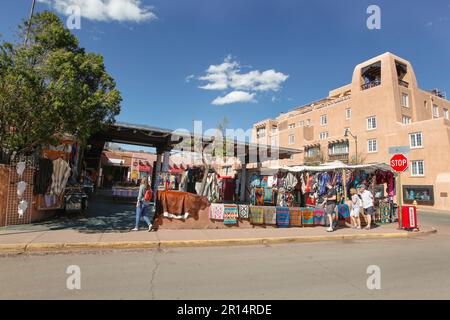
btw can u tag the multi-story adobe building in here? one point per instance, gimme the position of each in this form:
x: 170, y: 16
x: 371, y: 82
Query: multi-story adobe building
x: 381, y: 108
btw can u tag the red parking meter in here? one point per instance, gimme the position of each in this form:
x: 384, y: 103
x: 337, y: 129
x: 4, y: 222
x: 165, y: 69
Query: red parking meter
x: 408, y: 217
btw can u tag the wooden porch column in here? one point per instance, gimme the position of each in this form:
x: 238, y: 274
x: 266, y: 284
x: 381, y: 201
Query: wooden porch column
x: 243, y: 182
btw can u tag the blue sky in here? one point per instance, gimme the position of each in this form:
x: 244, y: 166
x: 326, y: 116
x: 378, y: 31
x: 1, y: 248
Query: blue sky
x: 308, y: 47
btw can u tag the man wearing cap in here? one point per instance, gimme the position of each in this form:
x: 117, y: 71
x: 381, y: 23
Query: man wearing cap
x: 367, y: 200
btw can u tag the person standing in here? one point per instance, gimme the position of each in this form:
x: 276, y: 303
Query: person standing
x: 143, y: 208
x: 356, y: 208
x: 367, y: 201
x: 330, y: 205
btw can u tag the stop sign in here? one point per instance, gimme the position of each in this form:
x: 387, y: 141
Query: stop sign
x: 399, y: 163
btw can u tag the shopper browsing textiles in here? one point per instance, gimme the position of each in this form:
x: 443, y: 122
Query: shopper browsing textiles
x: 367, y: 201
x: 330, y: 205
x: 356, y: 207
x: 143, y: 208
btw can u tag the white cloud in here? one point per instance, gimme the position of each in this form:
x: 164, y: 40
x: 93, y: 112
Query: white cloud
x: 189, y: 78
x: 235, y: 97
x: 106, y: 10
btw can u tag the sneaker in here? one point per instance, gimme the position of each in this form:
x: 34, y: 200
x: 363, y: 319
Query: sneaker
x: 358, y: 227
x: 330, y: 230
x: 367, y: 228
x: 150, y: 228
x: 135, y: 229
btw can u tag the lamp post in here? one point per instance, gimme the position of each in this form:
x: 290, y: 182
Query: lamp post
x: 33, y: 4
x: 347, y: 133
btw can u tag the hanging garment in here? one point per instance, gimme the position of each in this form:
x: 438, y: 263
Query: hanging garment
x: 22, y: 208
x: 255, y: 181
x: 230, y: 214
x: 310, y: 200
x: 61, y: 173
x: 259, y: 196
x: 295, y: 217
x: 243, y: 211
x: 21, y: 186
x: 42, y: 180
x: 20, y: 168
x: 283, y: 217
x: 343, y: 211
x: 319, y: 217
x: 228, y: 188
x: 270, y: 181
x: 270, y: 215
x: 264, y: 182
x: 307, y: 216
x: 290, y: 182
x: 268, y: 195
x: 216, y: 211
x: 256, y: 215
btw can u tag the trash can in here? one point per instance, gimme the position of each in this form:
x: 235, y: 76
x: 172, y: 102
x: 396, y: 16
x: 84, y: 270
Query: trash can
x: 409, y: 217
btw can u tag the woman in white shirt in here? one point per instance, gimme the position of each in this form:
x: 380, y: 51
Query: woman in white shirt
x: 356, y: 207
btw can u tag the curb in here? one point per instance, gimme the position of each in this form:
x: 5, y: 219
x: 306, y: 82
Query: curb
x: 49, y: 247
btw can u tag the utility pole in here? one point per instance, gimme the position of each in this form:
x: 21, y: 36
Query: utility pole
x: 33, y: 4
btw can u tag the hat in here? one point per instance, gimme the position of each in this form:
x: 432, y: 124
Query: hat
x: 362, y: 186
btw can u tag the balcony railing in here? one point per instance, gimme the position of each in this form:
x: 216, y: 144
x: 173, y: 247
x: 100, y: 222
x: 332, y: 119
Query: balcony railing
x: 371, y: 84
x: 403, y: 83
x: 341, y: 157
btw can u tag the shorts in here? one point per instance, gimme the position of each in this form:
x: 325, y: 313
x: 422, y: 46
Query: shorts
x: 330, y: 208
x: 355, y: 212
x: 369, y: 211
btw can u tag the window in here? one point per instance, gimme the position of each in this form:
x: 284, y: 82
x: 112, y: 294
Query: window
x: 274, y: 129
x: 415, y: 140
x: 405, y: 100
x: 261, y: 132
x: 348, y: 113
x: 301, y: 123
x: 338, y: 149
x: 371, y: 123
x: 324, y: 135
x: 312, y: 152
x: 435, y: 111
x: 308, y: 122
x: 417, y: 168
x: 274, y: 141
x: 406, y: 120
x: 291, y: 139
x: 446, y: 114
x: 372, y: 146
x: 323, y: 120
x: 292, y: 126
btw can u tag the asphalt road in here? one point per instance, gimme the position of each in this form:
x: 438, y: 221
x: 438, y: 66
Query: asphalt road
x: 415, y: 268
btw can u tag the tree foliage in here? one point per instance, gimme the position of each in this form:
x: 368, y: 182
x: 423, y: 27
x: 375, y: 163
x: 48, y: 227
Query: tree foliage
x: 51, y: 88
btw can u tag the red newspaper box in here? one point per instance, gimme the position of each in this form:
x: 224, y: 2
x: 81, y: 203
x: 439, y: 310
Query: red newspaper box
x: 409, y: 217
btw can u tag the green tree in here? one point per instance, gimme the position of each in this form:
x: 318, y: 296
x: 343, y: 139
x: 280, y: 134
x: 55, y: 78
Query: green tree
x: 52, y: 87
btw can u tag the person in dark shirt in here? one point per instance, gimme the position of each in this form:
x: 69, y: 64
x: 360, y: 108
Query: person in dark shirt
x: 330, y: 205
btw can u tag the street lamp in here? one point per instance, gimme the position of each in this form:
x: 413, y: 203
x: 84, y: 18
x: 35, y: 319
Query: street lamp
x: 346, y: 134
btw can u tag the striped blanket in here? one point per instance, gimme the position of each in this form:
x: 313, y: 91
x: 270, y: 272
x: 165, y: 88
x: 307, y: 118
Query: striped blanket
x: 308, y: 216
x: 295, y: 219
x: 230, y: 214
x: 243, y: 211
x: 283, y: 217
x: 216, y: 211
x: 270, y: 215
x: 319, y: 217
x: 256, y: 215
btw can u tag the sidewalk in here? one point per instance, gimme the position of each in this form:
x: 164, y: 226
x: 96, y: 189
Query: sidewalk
x: 69, y: 239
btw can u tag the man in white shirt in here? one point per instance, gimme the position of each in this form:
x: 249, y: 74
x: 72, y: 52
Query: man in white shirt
x: 367, y: 200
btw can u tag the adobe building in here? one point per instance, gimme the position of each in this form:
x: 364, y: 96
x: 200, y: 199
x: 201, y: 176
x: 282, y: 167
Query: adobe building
x: 382, y: 107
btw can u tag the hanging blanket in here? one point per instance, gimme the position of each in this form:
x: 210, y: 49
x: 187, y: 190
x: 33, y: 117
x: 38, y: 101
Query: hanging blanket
x: 385, y: 212
x: 268, y: 195
x: 283, y: 217
x: 230, y: 214
x: 343, y: 212
x: 256, y: 215
x: 216, y: 211
x: 307, y: 216
x: 319, y: 217
x: 295, y: 219
x: 270, y: 215
x: 243, y: 211
x: 259, y: 196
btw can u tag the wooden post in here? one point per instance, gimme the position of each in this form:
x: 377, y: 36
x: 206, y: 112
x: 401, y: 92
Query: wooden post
x: 344, y: 184
x: 243, y: 182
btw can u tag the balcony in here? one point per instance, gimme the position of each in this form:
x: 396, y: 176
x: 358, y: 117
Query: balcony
x: 339, y: 157
x: 403, y: 83
x: 371, y: 84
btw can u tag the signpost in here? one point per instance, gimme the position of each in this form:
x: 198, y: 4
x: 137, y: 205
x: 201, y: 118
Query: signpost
x: 399, y: 163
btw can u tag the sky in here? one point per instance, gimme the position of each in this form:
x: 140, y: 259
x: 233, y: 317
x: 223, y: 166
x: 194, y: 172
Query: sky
x: 176, y: 61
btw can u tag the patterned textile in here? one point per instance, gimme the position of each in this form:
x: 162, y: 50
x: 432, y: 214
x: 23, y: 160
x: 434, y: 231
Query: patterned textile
x: 256, y: 215
x: 270, y: 215
x: 344, y: 212
x: 259, y: 196
x: 385, y: 212
x: 216, y: 211
x: 295, y: 219
x: 307, y: 216
x: 230, y: 214
x: 268, y: 195
x: 283, y: 217
x: 243, y: 211
x: 319, y: 217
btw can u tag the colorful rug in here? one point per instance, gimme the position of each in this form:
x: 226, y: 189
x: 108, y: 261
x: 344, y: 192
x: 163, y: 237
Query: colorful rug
x: 270, y: 215
x: 216, y: 211
x: 307, y: 216
x: 256, y: 215
x: 283, y: 217
x: 259, y: 196
x: 319, y: 217
x: 295, y: 219
x: 230, y: 214
x: 268, y: 195
x: 385, y: 212
x: 344, y: 212
x: 243, y: 211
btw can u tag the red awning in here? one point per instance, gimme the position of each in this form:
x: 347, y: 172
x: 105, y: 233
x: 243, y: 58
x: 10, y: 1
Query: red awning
x: 145, y: 168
